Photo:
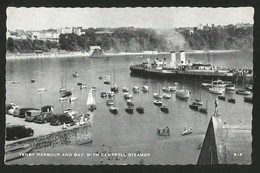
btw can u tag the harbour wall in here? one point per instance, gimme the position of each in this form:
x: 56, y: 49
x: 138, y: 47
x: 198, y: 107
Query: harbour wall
x: 71, y: 136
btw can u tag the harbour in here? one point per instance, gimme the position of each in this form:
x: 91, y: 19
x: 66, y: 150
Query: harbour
x: 124, y: 130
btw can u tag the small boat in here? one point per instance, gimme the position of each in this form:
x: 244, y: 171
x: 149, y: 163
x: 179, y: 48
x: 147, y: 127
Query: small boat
x: 130, y: 102
x: 157, y: 96
x: 83, y: 86
x: 206, y: 85
x: 103, y: 94
x: 127, y: 95
x: 32, y: 80
x: 14, y: 152
x: 218, y: 83
x: 197, y: 102
x: 91, y: 101
x: 163, y: 131
x: 157, y: 102
x: 164, y: 109
x: 66, y: 94
x: 114, y: 88
x: 42, y: 89
x: 194, y: 107
x: 175, y: 83
x: 221, y: 97
x: 216, y: 90
x: 100, y: 77
x: 63, y: 90
x: 249, y: 87
x: 145, y: 89
x: 230, y: 87
x: 140, y: 110
x: 248, y: 99
x: 79, y: 83
x: 73, y: 98
x: 125, y: 89
x: 183, y: 94
x: 203, y: 110
x: 107, y: 80
x: 231, y: 100
x: 129, y: 110
x: 113, y: 110
x: 243, y: 92
x: 165, y: 89
x: 110, y: 102
x: 172, y: 88
x: 187, y: 131
x: 110, y: 94
x: 166, y: 96
x: 93, y: 88
x: 75, y: 74
x: 135, y: 89
x: 63, y: 99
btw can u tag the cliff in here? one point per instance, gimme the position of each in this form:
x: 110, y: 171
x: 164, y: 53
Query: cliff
x: 139, y: 39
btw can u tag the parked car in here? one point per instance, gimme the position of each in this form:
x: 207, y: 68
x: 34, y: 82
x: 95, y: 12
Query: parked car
x: 13, y: 109
x: 14, y: 132
x: 31, y: 114
x: 20, y: 112
x: 60, y: 119
x: 44, y: 117
x: 47, y: 108
x: 8, y: 107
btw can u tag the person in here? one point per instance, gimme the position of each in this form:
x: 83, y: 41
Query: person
x: 216, y: 106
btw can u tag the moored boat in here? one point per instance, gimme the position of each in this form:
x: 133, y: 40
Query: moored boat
x: 130, y: 102
x: 157, y: 95
x: 182, y: 94
x: 157, y: 102
x: 113, y: 110
x: 83, y: 86
x: 243, y: 92
x: 230, y: 87
x: 221, y: 97
x: 135, y: 89
x: 248, y: 99
x: 216, y: 90
x: 145, y: 88
x: 231, y: 100
x: 164, y: 109
x: 194, y: 107
x: 166, y: 96
x: 129, y: 110
x: 172, y: 88
x: 187, y: 131
x: 127, y: 95
x: 197, y: 102
x: 165, y: 89
x: 163, y: 131
x: 75, y: 74
x: 110, y: 94
x: 103, y: 94
x: 125, y: 89
x: 140, y: 110
x: 110, y: 102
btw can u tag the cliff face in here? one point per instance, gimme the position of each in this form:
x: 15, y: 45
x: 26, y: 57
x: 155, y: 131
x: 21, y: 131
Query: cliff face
x: 138, y: 39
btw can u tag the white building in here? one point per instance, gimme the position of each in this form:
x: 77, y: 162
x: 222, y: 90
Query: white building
x: 200, y: 27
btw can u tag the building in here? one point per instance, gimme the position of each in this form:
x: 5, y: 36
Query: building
x: 96, y: 51
x: 70, y: 30
x: 226, y: 144
x: 244, y: 25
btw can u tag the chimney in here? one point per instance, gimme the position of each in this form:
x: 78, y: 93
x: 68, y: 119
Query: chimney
x: 173, y: 58
x: 182, y: 57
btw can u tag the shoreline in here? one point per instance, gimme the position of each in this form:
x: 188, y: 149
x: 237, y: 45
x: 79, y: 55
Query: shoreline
x: 87, y: 55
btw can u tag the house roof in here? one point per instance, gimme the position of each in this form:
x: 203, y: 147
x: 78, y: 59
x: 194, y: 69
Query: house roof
x: 233, y: 142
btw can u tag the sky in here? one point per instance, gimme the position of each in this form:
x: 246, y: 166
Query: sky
x: 166, y: 17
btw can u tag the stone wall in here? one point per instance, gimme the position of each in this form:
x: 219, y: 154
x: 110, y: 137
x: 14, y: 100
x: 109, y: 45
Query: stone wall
x: 72, y: 136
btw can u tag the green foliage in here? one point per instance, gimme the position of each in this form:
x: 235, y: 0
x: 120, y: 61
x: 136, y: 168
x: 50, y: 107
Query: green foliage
x: 129, y: 39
